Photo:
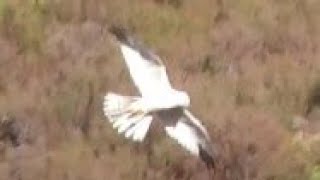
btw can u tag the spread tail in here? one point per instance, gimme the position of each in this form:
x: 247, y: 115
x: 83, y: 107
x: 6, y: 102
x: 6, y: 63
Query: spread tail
x: 134, y: 125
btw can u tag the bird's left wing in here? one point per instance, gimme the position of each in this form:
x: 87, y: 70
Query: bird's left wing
x: 145, y: 67
x: 182, y: 126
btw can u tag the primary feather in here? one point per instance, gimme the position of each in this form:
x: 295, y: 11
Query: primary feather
x: 146, y: 68
x: 187, y: 130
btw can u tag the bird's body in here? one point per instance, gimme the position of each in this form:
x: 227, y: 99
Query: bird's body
x: 132, y: 116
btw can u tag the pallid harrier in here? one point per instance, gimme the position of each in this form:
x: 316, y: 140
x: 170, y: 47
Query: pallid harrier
x: 132, y: 115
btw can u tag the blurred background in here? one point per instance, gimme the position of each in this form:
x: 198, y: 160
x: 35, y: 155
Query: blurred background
x: 251, y: 67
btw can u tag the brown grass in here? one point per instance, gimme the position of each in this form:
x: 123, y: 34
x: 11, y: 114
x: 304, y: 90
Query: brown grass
x: 249, y: 66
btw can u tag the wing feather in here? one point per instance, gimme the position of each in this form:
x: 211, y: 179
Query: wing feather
x: 187, y: 130
x: 145, y: 67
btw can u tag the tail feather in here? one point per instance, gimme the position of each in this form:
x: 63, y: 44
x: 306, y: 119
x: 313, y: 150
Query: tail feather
x: 134, y: 125
x: 129, y: 123
x: 122, y: 120
x: 142, y: 129
x: 139, y: 130
x: 115, y: 105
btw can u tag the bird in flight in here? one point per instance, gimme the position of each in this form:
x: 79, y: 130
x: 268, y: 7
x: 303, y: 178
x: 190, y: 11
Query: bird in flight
x: 158, y: 100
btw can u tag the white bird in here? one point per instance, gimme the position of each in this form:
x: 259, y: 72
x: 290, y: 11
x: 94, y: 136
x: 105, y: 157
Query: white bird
x: 132, y: 115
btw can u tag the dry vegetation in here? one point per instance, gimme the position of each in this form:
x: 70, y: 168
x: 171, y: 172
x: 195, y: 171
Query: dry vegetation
x: 252, y: 68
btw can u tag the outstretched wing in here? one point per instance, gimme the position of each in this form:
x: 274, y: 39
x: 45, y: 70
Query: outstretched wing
x: 145, y: 67
x: 182, y: 126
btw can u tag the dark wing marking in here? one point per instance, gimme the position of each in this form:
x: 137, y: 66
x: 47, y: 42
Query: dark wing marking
x: 124, y: 37
x: 206, y: 157
x: 169, y: 116
x: 172, y: 116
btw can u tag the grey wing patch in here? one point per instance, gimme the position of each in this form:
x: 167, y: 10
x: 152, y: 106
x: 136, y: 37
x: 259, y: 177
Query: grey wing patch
x: 124, y: 37
x: 171, y: 116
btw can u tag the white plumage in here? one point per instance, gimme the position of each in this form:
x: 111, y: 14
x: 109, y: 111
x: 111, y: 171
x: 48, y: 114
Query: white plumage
x: 150, y: 78
x: 132, y: 115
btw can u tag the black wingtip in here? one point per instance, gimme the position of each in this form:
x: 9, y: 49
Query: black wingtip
x: 120, y: 32
x: 207, y: 158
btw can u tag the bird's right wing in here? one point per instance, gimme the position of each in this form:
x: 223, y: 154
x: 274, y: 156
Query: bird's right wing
x: 145, y: 67
x: 182, y: 126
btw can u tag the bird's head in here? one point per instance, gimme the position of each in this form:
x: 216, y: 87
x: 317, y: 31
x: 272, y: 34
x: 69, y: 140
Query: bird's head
x: 183, y: 98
